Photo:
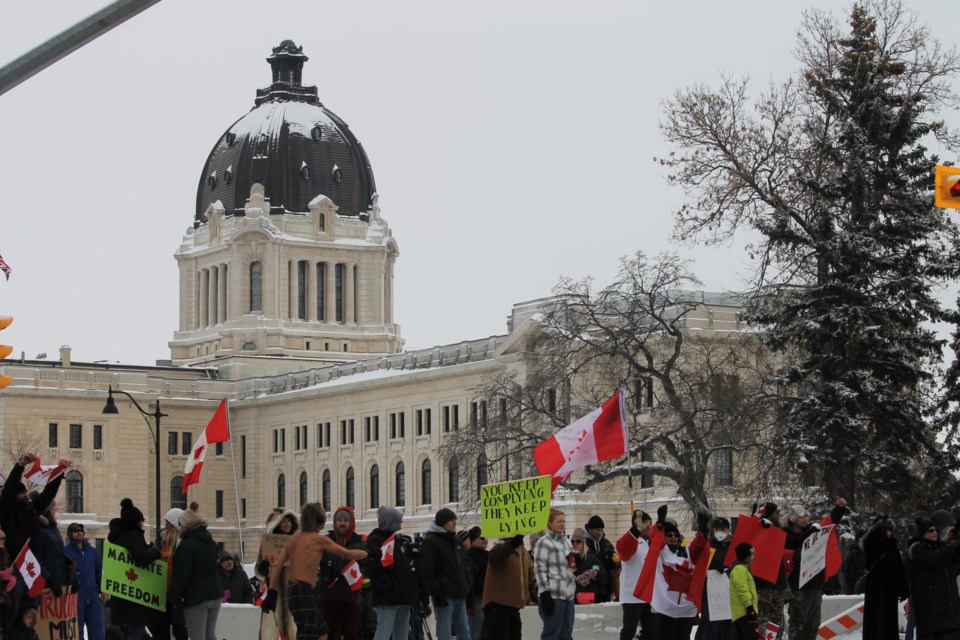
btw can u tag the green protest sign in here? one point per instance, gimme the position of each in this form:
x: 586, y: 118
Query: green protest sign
x: 515, y: 507
x: 124, y: 579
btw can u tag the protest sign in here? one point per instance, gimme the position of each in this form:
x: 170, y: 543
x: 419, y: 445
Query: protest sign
x: 515, y: 507
x: 57, y: 616
x: 271, y: 544
x: 813, y: 557
x: 718, y: 595
x: 123, y: 579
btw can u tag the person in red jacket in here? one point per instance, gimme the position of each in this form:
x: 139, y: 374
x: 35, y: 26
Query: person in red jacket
x: 632, y: 548
x: 339, y: 603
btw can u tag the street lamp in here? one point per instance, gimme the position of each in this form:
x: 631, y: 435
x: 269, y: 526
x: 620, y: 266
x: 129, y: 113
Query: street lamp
x: 110, y: 409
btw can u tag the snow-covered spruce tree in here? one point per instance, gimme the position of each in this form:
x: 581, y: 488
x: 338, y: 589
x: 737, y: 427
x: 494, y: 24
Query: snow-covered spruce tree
x: 832, y: 171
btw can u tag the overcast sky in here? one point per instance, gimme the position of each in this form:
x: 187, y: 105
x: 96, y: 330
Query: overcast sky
x: 512, y: 143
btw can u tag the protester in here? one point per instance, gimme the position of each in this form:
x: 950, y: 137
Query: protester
x: 25, y: 627
x: 278, y: 623
x: 173, y: 617
x: 773, y: 596
x: 675, y: 612
x: 632, y: 549
x: 719, y: 540
x: 476, y: 563
x: 509, y: 586
x: 339, y: 603
x: 607, y: 555
x: 195, y: 580
x: 591, y: 577
x: 394, y: 582
x: 303, y: 553
x: 554, y: 564
x: 933, y: 583
x: 886, y: 583
x: 53, y: 559
x: 234, y: 583
x: 442, y: 569
x: 7, y: 582
x: 743, y: 595
x: 853, y: 565
x: 89, y: 572
x: 127, y: 532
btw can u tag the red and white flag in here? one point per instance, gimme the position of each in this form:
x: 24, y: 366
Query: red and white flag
x: 217, y: 430
x: 386, y: 551
x: 600, y: 435
x: 351, y: 573
x: 43, y: 475
x: 29, y: 568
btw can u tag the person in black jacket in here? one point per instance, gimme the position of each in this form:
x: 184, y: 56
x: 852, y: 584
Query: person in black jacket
x: 234, y: 582
x: 886, y: 583
x: 605, y: 552
x: 441, y: 567
x: 394, y: 582
x: 195, y: 580
x: 476, y: 558
x: 590, y: 576
x: 339, y: 604
x: 52, y: 556
x: 853, y: 565
x: 127, y: 532
x: 719, y: 539
x: 933, y: 584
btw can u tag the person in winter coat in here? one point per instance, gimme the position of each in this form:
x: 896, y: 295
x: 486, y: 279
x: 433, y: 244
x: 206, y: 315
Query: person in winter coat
x: 632, y: 549
x: 442, y: 568
x: 853, y: 565
x: 773, y: 595
x: 173, y: 616
x: 234, y: 582
x: 395, y: 584
x: 719, y: 539
x: 7, y: 582
x: 339, y: 603
x: 886, y: 583
x: 554, y: 563
x: 510, y: 584
x: 605, y: 552
x: 127, y: 532
x: 933, y: 584
x: 675, y: 613
x: 53, y: 560
x: 89, y: 570
x: 476, y: 562
x: 280, y: 622
x: 26, y: 625
x: 195, y: 581
x: 743, y: 595
x: 591, y: 577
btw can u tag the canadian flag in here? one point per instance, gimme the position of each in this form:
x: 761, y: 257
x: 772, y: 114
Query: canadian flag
x: 600, y: 435
x: 386, y: 551
x: 43, y: 475
x: 671, y: 584
x: 29, y: 568
x: 217, y: 430
x: 351, y: 573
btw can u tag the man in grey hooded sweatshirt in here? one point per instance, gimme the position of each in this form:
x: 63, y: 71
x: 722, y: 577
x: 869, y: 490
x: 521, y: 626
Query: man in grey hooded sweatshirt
x: 393, y: 581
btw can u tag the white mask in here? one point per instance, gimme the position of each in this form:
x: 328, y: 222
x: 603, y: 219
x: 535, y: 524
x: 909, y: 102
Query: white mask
x: 720, y: 536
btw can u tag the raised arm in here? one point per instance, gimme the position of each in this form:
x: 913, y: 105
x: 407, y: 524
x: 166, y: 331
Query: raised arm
x: 350, y: 554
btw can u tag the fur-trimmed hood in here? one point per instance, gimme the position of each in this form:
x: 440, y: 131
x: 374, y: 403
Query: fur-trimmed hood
x: 273, y: 520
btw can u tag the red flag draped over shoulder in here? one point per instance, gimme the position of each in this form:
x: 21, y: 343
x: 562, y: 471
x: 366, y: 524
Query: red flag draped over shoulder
x: 217, y: 430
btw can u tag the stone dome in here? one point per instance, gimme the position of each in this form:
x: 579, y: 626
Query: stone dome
x: 292, y: 145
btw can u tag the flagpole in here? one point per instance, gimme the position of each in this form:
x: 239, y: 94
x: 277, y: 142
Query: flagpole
x: 236, y: 491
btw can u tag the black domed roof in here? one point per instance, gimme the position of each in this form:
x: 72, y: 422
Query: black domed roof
x: 292, y: 145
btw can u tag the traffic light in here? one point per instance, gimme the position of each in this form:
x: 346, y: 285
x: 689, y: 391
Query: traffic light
x: 5, y: 350
x: 947, y: 189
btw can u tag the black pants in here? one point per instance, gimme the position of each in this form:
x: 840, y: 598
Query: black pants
x: 634, y: 614
x: 673, y: 628
x: 500, y: 622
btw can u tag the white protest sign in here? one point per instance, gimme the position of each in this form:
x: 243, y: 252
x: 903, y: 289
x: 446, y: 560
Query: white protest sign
x: 718, y: 595
x: 813, y: 556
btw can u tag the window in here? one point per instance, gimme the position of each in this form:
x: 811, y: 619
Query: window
x: 423, y: 422
x: 303, y: 488
x: 52, y: 435
x: 483, y: 467
x: 478, y: 414
x: 74, y: 481
x: 400, y: 479
x: 503, y: 411
x: 302, y: 290
x: 281, y: 491
x: 374, y: 487
x: 76, y: 436
x: 323, y: 435
x: 397, y: 421
x: 337, y: 174
x: 367, y: 429
x: 98, y: 436
x: 325, y: 490
x: 304, y: 170
x: 172, y: 441
x: 218, y: 449
x: 346, y: 431
x: 243, y: 508
x: 350, y: 487
x: 300, y: 437
x: 646, y: 477
x: 338, y: 292
x: 218, y: 502
x: 279, y: 440
x: 451, y: 418
x: 178, y: 498
x: 256, y: 286
x: 643, y: 394
x: 446, y: 419
x: 552, y: 401
x: 321, y: 280
x: 243, y: 456
x: 723, y: 468
x: 453, y: 480
x: 186, y: 443
x: 425, y: 482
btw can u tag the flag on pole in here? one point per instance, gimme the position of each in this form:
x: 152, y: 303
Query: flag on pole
x: 43, y: 474
x: 5, y: 268
x: 29, y: 568
x: 351, y: 573
x: 386, y: 551
x: 600, y: 435
x: 217, y: 430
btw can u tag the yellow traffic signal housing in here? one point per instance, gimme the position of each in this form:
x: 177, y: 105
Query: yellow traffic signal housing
x: 947, y: 189
x: 5, y: 350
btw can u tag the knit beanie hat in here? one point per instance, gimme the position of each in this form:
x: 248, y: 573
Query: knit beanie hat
x: 444, y: 516
x: 389, y: 518
x: 923, y: 525
x: 461, y: 536
x: 795, y: 512
x: 342, y: 513
x: 224, y: 556
x: 744, y: 551
x: 129, y: 514
x: 474, y: 533
x: 578, y: 534
x: 670, y: 527
x: 173, y: 517
x: 595, y: 522
x: 942, y: 518
x: 191, y: 516
x: 769, y: 508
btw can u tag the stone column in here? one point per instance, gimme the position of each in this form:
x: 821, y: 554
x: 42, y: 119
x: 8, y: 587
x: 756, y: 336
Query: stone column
x: 212, y: 292
x: 221, y: 293
x: 202, y: 317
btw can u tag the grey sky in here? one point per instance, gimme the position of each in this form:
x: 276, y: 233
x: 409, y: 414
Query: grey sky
x: 512, y: 143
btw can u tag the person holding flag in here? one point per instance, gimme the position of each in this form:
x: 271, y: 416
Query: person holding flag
x: 395, y: 585
x: 337, y: 592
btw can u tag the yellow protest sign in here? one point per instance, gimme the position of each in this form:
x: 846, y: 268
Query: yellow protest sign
x: 515, y: 507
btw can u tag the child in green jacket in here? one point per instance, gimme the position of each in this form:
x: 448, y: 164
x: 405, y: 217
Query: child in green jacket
x: 743, y: 595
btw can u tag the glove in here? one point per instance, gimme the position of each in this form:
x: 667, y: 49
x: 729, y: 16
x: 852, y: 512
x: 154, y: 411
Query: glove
x: 440, y: 602
x: 815, y: 526
x: 703, y: 523
x: 546, y: 603
x: 662, y: 515
x: 615, y: 558
x: 766, y: 524
x: 269, y: 604
x: 516, y: 541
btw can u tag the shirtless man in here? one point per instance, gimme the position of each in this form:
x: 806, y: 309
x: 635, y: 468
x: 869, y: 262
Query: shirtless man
x: 303, y: 552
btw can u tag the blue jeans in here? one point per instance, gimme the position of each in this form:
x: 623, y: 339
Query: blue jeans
x: 559, y: 626
x: 90, y: 614
x: 454, y: 614
x: 392, y: 620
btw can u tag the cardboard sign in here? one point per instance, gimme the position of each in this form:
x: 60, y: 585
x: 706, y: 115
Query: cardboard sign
x: 123, y: 579
x: 718, y: 595
x: 813, y: 557
x: 57, y: 616
x: 271, y: 544
x: 516, y: 507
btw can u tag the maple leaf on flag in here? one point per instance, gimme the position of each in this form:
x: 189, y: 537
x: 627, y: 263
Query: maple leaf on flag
x: 131, y: 574
x: 31, y: 569
x: 198, y: 452
x: 678, y: 577
x: 353, y: 573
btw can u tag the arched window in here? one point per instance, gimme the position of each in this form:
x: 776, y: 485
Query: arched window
x: 400, y: 482
x: 303, y: 488
x: 74, y: 491
x: 256, y: 286
x: 374, y: 487
x: 481, y: 473
x: 177, y: 498
x: 425, y: 484
x: 281, y: 491
x: 453, y: 480
x: 350, y: 486
x: 723, y: 468
x: 325, y: 490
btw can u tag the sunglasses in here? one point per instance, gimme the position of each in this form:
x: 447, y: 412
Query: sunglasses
x: 576, y: 541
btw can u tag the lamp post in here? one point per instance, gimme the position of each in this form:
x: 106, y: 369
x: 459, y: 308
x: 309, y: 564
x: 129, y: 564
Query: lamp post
x: 111, y: 409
